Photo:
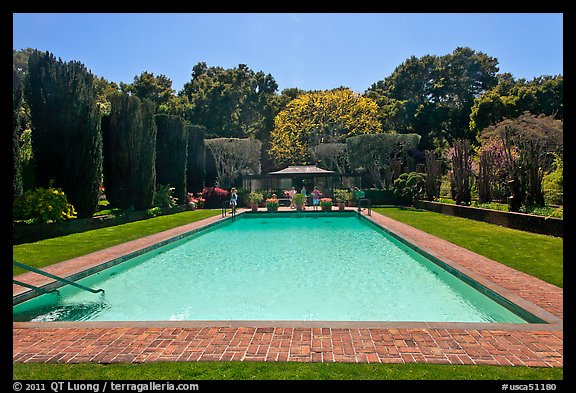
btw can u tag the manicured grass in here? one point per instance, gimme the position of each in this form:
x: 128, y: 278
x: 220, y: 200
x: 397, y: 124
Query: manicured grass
x: 278, y: 371
x: 537, y: 255
x: 47, y: 252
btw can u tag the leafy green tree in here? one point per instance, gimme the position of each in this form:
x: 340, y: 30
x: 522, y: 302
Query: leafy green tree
x: 320, y: 117
x: 288, y: 95
x: 66, y: 135
x: 235, y: 102
x: 104, y: 90
x: 177, y: 106
x: 157, y: 89
x: 432, y: 95
x: 129, y: 136
x: 172, y: 154
x: 511, y: 98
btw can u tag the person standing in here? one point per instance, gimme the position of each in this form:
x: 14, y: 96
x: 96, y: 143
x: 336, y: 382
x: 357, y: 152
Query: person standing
x: 233, y: 199
x: 316, y: 197
x: 291, y: 194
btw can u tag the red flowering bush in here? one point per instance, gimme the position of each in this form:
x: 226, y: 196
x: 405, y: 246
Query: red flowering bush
x: 213, y: 197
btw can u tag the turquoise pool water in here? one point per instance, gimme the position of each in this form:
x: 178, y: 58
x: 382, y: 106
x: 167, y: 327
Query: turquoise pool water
x: 275, y: 267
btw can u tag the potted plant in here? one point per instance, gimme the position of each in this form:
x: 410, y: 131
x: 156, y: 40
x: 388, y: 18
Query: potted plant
x: 299, y: 200
x: 342, y: 196
x: 326, y: 204
x: 272, y: 204
x: 254, y: 198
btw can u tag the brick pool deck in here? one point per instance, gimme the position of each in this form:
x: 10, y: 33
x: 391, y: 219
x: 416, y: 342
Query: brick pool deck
x: 536, y: 345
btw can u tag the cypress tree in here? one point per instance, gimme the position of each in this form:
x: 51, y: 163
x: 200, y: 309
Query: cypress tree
x: 196, y: 168
x: 17, y: 87
x: 66, y: 134
x: 171, y: 154
x: 129, y: 136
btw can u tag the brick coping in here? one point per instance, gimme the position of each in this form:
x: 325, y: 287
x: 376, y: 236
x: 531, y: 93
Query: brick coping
x: 381, y: 342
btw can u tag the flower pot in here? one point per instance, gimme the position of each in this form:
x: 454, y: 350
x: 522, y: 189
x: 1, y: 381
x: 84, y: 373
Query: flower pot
x: 341, y: 205
x: 299, y: 207
x: 326, y: 208
x: 254, y: 207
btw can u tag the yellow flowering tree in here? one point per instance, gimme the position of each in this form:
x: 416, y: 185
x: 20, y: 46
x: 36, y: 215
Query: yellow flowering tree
x: 320, y: 117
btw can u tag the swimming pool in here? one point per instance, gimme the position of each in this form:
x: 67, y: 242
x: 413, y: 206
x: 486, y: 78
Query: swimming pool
x: 304, y: 267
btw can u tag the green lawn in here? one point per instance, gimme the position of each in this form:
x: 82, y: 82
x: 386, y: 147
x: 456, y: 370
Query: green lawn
x: 47, y: 252
x: 538, y: 255
x: 278, y: 371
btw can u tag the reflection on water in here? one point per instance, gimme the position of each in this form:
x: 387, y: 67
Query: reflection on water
x: 56, y: 310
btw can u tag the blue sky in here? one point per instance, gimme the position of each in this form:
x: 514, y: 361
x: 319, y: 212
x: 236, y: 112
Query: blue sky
x: 305, y: 50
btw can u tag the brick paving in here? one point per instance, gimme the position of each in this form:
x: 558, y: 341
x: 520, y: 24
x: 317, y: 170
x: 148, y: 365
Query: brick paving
x: 535, y: 345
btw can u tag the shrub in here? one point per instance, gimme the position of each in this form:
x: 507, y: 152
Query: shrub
x: 409, y: 186
x: 214, y: 196
x: 553, y: 184
x: 380, y: 197
x: 154, y: 212
x: 269, y: 192
x: 342, y: 195
x: 299, y: 199
x: 163, y: 196
x: 255, y: 198
x: 43, y: 205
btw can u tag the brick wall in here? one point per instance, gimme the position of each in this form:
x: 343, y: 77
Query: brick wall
x: 524, y: 222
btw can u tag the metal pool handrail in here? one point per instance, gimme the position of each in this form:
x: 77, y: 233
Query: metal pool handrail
x: 368, y: 205
x: 224, y: 211
x: 57, y: 278
x: 42, y: 290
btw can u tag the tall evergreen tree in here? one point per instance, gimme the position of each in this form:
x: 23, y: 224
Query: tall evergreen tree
x: 66, y: 134
x: 129, y: 135
x: 17, y: 93
x: 171, y: 154
x: 196, y: 168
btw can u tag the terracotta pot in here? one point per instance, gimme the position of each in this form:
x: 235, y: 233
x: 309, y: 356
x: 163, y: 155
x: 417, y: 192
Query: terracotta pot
x: 341, y: 205
x: 254, y: 207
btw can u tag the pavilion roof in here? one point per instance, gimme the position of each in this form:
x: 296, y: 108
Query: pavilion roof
x: 301, y: 170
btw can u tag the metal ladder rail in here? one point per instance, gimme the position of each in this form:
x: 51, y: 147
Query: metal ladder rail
x: 42, y: 290
x: 224, y: 211
x: 368, y: 205
x: 33, y: 269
